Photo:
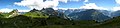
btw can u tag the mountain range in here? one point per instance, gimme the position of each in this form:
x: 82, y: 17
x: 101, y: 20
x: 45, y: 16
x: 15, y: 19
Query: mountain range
x: 50, y: 18
x: 78, y: 14
x: 86, y: 14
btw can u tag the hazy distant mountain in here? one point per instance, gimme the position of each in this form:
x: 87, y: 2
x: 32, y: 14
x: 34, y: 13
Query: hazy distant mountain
x: 68, y: 11
x: 21, y: 13
x: 90, y: 14
x: 115, y: 14
x: 85, y: 14
x: 106, y: 12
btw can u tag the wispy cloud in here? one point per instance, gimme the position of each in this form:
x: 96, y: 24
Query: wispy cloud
x: 92, y: 6
x: 117, y: 1
x: 68, y: 8
x: 116, y: 8
x: 5, y: 10
x: 9, y: 10
x: 75, y: 0
x: 23, y: 10
x: 86, y: 0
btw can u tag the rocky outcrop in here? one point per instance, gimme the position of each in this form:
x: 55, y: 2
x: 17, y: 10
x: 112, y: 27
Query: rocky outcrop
x: 13, y: 13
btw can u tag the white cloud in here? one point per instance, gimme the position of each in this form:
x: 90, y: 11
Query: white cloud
x: 55, y: 8
x: 117, y: 1
x: 86, y: 0
x: 116, y: 8
x: 63, y: 8
x: 75, y: 0
x: 9, y: 10
x: 5, y: 10
x: 65, y: 1
x: 39, y: 4
x: 23, y: 10
x: 92, y: 6
x: 67, y: 8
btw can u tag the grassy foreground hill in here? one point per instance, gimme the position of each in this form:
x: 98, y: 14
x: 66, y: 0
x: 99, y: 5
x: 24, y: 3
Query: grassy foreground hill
x: 113, y: 23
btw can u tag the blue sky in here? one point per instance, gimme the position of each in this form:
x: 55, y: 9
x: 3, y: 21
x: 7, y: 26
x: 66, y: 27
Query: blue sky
x: 10, y: 4
x: 109, y: 4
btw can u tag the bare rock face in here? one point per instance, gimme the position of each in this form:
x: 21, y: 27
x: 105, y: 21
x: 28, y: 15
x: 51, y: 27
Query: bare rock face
x: 13, y: 13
